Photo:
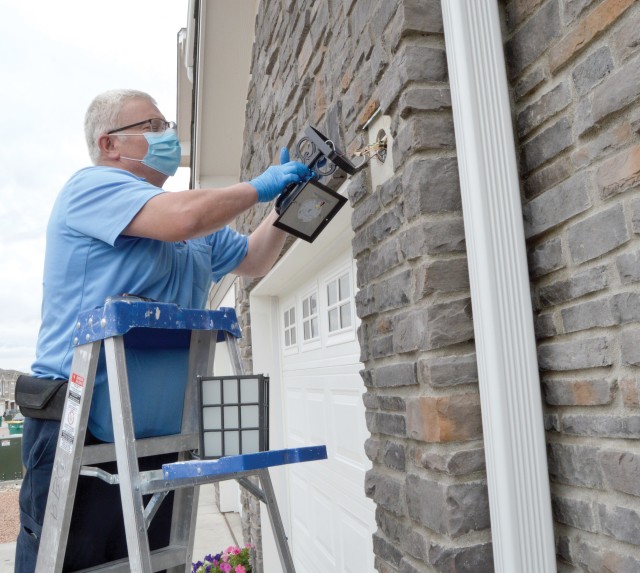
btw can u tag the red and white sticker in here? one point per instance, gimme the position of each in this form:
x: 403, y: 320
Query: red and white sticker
x: 71, y: 415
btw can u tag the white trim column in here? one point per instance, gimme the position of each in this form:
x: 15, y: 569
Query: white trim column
x: 518, y: 481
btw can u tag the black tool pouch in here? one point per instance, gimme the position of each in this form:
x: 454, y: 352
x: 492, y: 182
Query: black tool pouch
x: 41, y: 398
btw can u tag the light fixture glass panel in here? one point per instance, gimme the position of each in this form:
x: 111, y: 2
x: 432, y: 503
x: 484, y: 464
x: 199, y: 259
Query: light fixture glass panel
x: 231, y: 443
x: 231, y: 419
x: 213, y: 444
x: 211, y: 391
x: 250, y: 390
x: 230, y: 391
x: 250, y: 441
x: 211, y: 418
x: 250, y: 416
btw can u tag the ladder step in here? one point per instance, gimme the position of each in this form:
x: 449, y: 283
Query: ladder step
x: 160, y: 559
x: 99, y: 453
x: 242, y: 463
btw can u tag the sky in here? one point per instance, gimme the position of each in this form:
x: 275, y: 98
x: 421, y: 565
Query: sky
x: 55, y: 58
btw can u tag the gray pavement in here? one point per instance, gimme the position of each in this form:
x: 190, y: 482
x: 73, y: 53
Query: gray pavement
x: 215, y: 531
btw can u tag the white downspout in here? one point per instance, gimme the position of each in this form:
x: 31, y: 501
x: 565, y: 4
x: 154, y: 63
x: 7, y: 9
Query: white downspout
x: 518, y: 481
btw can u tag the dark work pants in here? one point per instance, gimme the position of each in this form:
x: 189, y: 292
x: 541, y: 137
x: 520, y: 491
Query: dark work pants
x: 96, y: 534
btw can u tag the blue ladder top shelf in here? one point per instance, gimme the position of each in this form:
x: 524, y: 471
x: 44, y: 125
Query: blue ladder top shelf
x: 242, y: 463
x: 132, y: 315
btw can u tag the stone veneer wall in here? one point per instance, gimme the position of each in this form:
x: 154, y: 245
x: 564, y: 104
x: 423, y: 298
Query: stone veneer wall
x: 574, y: 66
x: 574, y: 69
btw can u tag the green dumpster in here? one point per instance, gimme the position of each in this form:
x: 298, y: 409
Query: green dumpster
x: 15, y: 426
x: 10, y: 458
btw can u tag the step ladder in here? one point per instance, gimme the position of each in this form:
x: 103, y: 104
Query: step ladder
x: 131, y: 320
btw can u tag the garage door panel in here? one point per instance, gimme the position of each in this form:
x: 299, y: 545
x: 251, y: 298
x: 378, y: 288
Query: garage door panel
x: 322, y: 390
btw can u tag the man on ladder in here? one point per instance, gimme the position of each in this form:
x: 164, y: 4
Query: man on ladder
x: 113, y: 230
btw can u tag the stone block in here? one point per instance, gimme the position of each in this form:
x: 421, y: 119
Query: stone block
x: 390, y: 424
x: 434, y: 327
x: 452, y: 510
x: 630, y: 347
x: 557, y: 205
x: 546, y: 258
x: 533, y: 38
x: 394, y: 456
x: 627, y: 37
x: 586, y: 282
x: 620, y: 173
x: 385, y: 550
x: 574, y: 512
x: 550, y: 175
x: 395, y: 292
x: 433, y: 238
x: 601, y: 426
x: 431, y: 186
x: 604, y: 144
x: 547, y: 144
x: 417, y: 99
x: 621, y: 523
x: 618, y: 91
x: 392, y: 403
x: 603, y: 558
x: 444, y: 418
x: 447, y: 371
x: 364, y: 211
x: 592, y: 70
x: 544, y: 325
x: 587, y: 315
x: 575, y: 354
x: 529, y: 82
x: 585, y: 30
x: 575, y: 465
x: 544, y: 108
x: 635, y: 216
x: 389, y: 494
x: 598, y: 234
x: 457, y: 463
x: 589, y: 392
x: 621, y: 470
x: 403, y: 374
x: 467, y: 559
x: 386, y: 224
x: 422, y: 133
x: 630, y: 391
x: 442, y: 276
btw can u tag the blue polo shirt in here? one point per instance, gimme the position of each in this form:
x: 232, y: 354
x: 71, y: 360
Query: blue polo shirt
x: 88, y: 259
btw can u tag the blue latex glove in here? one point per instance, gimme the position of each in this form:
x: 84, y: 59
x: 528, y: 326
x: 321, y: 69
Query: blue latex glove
x: 274, y: 180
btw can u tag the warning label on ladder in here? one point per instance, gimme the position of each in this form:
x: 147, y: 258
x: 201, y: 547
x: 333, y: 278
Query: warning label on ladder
x: 70, y: 417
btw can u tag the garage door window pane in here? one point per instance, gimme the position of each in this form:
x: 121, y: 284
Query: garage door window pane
x: 310, y: 317
x: 289, y: 322
x: 339, y: 303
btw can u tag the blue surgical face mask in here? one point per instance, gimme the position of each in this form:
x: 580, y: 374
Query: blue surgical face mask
x: 164, y: 152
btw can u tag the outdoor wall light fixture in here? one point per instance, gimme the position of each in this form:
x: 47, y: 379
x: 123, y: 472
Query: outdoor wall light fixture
x: 305, y: 209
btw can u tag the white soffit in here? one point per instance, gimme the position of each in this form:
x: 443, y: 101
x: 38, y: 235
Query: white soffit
x: 225, y: 46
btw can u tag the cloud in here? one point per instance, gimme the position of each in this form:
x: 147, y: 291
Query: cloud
x: 56, y: 57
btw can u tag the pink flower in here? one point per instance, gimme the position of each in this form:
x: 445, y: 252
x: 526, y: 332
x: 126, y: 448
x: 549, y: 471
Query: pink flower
x: 233, y: 550
x: 240, y: 569
x: 225, y: 567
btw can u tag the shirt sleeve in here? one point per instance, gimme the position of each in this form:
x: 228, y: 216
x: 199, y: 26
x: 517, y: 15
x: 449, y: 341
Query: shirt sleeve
x: 228, y: 250
x: 102, y: 201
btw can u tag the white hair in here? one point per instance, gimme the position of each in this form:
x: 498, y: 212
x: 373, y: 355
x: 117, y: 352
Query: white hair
x: 102, y: 116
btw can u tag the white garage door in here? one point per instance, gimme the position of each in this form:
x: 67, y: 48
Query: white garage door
x: 331, y: 519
